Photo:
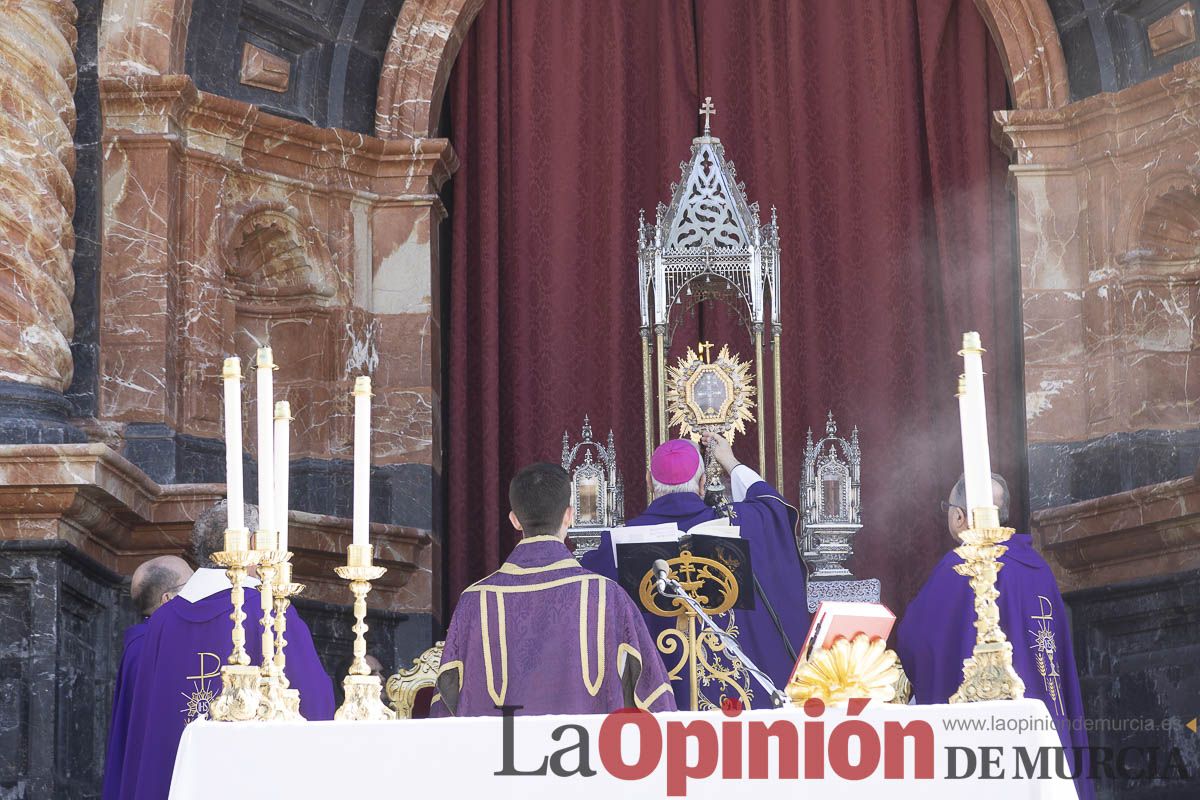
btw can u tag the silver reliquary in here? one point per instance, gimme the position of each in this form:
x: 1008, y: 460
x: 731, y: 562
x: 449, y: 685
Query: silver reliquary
x: 830, y: 492
x: 597, y: 490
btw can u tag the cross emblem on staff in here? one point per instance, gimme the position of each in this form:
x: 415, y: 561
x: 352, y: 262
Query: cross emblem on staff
x: 708, y: 110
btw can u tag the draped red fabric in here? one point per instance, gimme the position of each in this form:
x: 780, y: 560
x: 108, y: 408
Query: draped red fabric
x: 866, y: 123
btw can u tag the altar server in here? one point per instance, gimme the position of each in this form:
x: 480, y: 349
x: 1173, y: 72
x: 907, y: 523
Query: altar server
x: 185, y: 644
x: 542, y: 634
x: 153, y: 583
x: 772, y: 631
x: 938, y: 630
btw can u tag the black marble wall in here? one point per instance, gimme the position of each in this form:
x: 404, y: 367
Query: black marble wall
x: 395, y: 639
x: 1136, y: 650
x: 401, y: 494
x: 1106, y: 45
x: 1062, y: 473
x: 334, y: 48
x: 61, y: 622
x: 85, y: 346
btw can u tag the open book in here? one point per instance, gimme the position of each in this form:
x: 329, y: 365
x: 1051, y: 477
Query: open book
x: 669, y: 532
x: 636, y: 548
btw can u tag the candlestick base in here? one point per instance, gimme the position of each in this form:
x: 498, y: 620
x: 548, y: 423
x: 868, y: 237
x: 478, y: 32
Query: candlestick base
x: 989, y: 675
x: 279, y: 703
x: 363, y: 701
x: 240, y: 696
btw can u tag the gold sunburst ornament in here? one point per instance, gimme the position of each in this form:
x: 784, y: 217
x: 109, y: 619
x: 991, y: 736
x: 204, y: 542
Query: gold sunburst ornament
x: 849, y: 668
x: 710, y: 396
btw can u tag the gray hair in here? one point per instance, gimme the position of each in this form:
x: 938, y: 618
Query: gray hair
x: 958, y: 495
x: 692, y: 485
x: 208, y: 532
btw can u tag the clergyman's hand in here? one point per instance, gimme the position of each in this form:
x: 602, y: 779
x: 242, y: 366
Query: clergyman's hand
x: 721, y: 450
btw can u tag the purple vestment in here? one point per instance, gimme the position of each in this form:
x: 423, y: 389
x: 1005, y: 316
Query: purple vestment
x: 769, y: 525
x: 938, y: 632
x: 118, y: 727
x: 184, y: 648
x: 545, y: 634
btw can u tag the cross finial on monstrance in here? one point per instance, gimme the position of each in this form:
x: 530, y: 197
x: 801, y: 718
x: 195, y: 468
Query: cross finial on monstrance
x: 708, y: 110
x: 705, y: 349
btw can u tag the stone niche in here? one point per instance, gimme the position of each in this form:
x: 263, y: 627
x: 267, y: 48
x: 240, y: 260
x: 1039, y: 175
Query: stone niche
x: 227, y: 228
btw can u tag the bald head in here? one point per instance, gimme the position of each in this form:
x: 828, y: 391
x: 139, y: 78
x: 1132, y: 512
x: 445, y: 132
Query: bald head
x: 156, y: 581
x: 957, y: 517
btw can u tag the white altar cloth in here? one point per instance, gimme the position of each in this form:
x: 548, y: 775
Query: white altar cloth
x: 457, y: 758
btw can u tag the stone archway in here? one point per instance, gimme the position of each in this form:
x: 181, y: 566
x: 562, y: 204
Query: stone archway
x: 417, y: 66
x: 1029, y: 45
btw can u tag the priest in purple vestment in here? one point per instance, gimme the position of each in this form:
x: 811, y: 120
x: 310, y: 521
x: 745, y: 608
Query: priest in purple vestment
x: 772, y: 631
x: 937, y: 632
x: 185, y: 644
x: 153, y: 583
x: 542, y: 635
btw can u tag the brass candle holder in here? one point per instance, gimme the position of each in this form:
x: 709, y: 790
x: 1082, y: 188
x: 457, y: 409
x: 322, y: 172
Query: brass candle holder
x: 988, y: 674
x: 240, y: 694
x: 289, y: 705
x: 266, y: 544
x: 362, y: 689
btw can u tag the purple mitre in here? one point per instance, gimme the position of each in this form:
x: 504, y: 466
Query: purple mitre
x: 550, y: 637
x: 938, y: 632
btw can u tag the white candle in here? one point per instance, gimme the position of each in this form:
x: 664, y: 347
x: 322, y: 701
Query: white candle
x: 283, y: 417
x: 977, y: 459
x: 362, y: 458
x: 266, y: 481
x: 232, y: 375
x: 964, y: 420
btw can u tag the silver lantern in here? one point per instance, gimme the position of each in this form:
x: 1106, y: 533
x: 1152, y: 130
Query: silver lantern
x: 597, y: 490
x: 831, y: 494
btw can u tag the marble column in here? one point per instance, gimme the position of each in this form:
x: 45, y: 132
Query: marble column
x: 37, y: 200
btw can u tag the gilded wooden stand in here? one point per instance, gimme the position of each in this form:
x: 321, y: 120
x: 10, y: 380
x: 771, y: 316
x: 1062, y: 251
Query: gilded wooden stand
x: 713, y: 586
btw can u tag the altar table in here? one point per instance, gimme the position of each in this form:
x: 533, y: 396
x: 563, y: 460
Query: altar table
x: 458, y: 758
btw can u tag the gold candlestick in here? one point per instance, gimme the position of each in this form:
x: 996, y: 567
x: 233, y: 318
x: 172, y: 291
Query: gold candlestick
x: 285, y: 590
x: 240, y: 695
x: 361, y: 687
x: 988, y: 674
x: 266, y: 543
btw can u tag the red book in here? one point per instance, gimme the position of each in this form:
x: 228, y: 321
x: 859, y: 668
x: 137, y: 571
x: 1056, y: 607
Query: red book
x: 834, y: 619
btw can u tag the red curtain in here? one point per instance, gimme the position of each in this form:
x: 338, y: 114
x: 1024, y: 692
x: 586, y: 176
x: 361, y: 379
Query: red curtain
x: 867, y: 124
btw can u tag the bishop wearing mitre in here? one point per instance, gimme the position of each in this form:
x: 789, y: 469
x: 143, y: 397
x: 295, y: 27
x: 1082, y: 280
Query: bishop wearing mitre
x: 542, y: 635
x: 772, y: 631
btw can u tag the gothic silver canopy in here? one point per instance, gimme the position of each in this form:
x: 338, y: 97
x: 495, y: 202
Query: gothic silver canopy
x: 709, y: 245
x: 708, y: 241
